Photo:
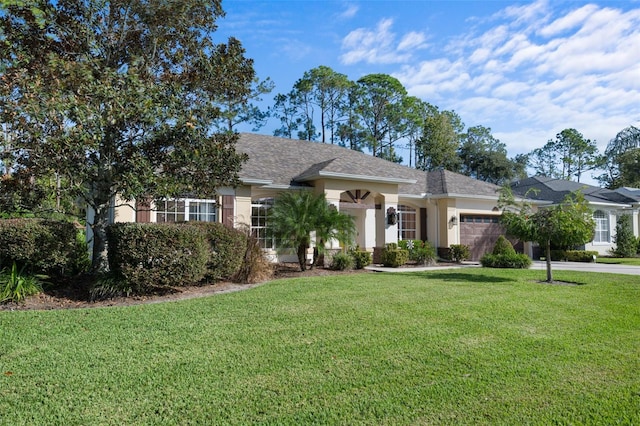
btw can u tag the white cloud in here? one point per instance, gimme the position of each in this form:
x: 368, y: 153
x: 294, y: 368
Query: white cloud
x: 350, y: 11
x: 378, y: 46
x: 536, y: 69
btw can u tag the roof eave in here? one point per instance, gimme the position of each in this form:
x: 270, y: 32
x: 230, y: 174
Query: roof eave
x: 349, y: 176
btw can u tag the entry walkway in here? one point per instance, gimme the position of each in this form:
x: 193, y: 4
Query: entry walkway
x: 537, y: 265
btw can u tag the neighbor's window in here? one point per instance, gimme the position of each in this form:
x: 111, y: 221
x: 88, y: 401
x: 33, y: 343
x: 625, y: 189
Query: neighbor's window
x: 259, y: 211
x: 602, y: 227
x: 182, y: 210
x: 406, y: 223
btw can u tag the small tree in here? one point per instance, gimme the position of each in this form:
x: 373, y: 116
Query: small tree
x: 295, y: 215
x: 626, y: 243
x: 564, y: 225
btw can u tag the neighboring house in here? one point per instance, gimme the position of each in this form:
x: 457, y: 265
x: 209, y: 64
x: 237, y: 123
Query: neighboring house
x: 388, y: 201
x: 607, y: 205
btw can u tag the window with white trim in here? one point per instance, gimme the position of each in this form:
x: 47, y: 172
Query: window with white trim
x: 259, y: 212
x: 602, y: 227
x: 406, y: 223
x: 181, y: 210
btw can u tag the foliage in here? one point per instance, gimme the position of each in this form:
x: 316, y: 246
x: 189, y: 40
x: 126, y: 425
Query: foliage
x: 43, y: 246
x: 421, y: 252
x: 255, y: 267
x: 16, y: 285
x: 109, y: 285
x: 295, y: 215
x: 625, y: 241
x: 503, y: 246
x: 120, y: 98
x: 565, y: 225
x: 512, y: 260
x: 484, y: 157
x: 459, y: 252
x: 154, y: 256
x: 393, y: 256
x: 227, y: 247
x: 581, y: 255
x: 440, y: 141
x: 361, y: 258
x: 620, y: 160
x: 566, y: 157
x: 342, y: 261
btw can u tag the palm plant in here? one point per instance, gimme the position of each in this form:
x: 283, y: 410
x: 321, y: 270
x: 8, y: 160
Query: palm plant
x: 295, y: 215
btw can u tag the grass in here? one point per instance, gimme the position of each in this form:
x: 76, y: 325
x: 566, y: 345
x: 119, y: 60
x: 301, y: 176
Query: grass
x: 633, y: 261
x: 465, y: 346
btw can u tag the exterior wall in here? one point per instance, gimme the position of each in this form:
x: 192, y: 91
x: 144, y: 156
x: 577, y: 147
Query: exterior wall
x: 123, y: 211
x: 603, y: 248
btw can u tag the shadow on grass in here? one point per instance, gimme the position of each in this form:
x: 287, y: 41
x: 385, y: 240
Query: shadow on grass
x: 458, y: 277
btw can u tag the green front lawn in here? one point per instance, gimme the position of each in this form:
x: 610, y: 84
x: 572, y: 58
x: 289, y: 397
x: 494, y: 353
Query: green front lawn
x: 463, y: 346
x: 634, y: 261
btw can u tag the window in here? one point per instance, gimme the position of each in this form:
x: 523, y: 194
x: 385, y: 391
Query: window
x: 186, y: 210
x: 406, y: 223
x: 259, y: 212
x: 602, y: 227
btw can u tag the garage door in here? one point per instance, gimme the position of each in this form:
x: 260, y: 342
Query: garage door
x: 479, y: 233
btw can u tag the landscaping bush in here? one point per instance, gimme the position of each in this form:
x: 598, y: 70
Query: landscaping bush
x: 559, y: 255
x: 150, y: 256
x: 227, y: 247
x: 43, y: 246
x: 16, y: 285
x: 505, y: 256
x: 459, y: 252
x: 626, y: 244
x: 361, y: 258
x: 514, y: 260
x: 393, y: 256
x: 421, y: 252
x: 503, y: 247
x: 255, y: 267
x: 580, y: 255
x: 341, y: 262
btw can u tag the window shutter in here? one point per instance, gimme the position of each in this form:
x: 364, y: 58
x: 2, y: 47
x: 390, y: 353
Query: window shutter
x: 228, y: 202
x: 143, y: 210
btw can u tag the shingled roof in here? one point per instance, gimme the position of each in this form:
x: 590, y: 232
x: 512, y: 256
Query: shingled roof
x: 555, y: 190
x: 284, y: 162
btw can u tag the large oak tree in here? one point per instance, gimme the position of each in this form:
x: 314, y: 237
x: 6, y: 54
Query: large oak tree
x: 119, y: 97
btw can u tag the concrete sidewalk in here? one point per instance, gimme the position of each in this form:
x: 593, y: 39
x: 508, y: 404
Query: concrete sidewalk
x: 537, y: 265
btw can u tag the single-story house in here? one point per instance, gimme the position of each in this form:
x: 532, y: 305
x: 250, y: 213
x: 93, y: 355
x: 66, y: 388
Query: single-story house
x: 607, y: 205
x: 388, y: 201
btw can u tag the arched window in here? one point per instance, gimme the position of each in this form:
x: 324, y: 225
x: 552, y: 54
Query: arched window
x: 602, y: 227
x: 406, y: 223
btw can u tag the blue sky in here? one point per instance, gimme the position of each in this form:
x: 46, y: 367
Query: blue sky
x: 525, y: 69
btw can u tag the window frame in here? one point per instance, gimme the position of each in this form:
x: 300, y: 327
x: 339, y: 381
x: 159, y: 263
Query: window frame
x: 602, y: 228
x: 260, y: 224
x: 182, y: 210
x: 404, y: 223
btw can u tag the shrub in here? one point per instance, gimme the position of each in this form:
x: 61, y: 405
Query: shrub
x: 109, y: 285
x: 15, y: 285
x: 421, y: 252
x: 559, y: 255
x: 393, y: 256
x: 43, y: 246
x: 503, y: 247
x: 580, y: 255
x: 255, y: 267
x: 150, y: 256
x: 459, y: 252
x: 626, y: 244
x: 341, y: 262
x: 514, y: 260
x: 227, y: 247
x: 361, y: 258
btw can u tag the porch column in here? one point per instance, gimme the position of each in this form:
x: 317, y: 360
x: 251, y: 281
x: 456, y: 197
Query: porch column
x: 386, y: 227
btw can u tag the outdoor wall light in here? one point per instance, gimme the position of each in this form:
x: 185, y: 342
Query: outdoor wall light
x: 392, y: 216
x: 453, y: 221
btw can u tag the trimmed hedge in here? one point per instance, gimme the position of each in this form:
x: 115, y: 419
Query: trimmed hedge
x: 421, y: 252
x: 515, y: 261
x: 151, y: 256
x: 503, y: 247
x: 227, y: 247
x: 360, y: 258
x: 459, y: 252
x: 43, y: 246
x: 341, y: 262
x: 393, y: 257
x: 573, y: 255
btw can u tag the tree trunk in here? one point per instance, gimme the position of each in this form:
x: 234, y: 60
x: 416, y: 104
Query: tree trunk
x: 302, y: 257
x: 548, y: 256
x: 99, y: 228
